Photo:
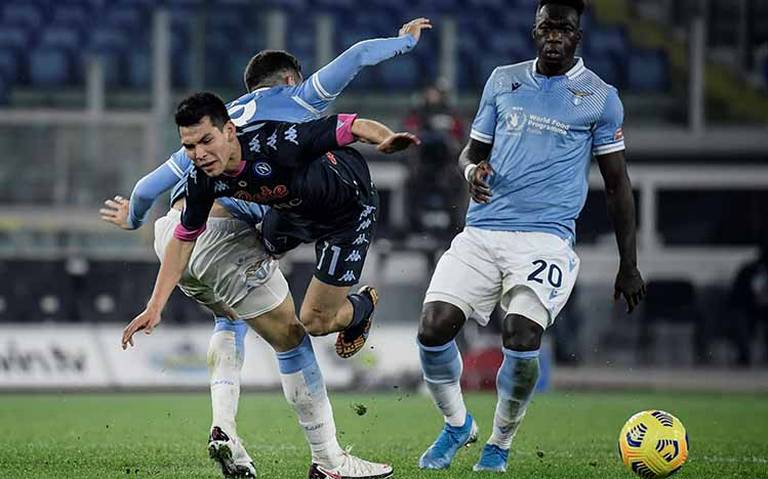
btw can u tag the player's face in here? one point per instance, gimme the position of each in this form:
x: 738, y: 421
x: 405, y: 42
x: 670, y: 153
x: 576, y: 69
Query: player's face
x: 557, y: 34
x: 208, y: 147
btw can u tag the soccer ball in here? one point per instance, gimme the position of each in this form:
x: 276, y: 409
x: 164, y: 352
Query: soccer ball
x: 653, y: 444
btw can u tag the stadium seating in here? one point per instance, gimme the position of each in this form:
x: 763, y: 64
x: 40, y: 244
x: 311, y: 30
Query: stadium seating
x: 45, y: 44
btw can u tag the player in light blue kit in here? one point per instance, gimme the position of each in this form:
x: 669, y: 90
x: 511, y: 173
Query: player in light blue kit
x: 537, y: 127
x: 253, y: 289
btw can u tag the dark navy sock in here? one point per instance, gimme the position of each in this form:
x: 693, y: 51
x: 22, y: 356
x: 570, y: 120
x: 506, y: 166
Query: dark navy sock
x: 362, y: 306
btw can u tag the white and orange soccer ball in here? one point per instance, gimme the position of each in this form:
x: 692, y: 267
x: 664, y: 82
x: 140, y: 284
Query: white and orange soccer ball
x: 653, y: 444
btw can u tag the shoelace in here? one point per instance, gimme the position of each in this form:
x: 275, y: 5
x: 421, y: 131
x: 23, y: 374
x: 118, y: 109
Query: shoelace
x: 447, y: 438
x: 496, y: 453
x: 354, y: 465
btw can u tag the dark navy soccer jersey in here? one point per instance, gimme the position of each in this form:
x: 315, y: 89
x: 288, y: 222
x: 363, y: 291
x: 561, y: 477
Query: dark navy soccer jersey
x: 288, y: 167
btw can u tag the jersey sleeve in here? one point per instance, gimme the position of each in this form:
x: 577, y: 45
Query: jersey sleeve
x: 322, y: 87
x: 608, y: 135
x: 303, y: 142
x: 199, y: 201
x: 251, y: 213
x: 484, y: 124
x: 154, y: 184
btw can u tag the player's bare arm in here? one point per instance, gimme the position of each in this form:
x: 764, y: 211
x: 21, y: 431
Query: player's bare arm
x: 371, y: 131
x: 175, y: 261
x: 474, y: 166
x: 415, y: 26
x: 621, y: 208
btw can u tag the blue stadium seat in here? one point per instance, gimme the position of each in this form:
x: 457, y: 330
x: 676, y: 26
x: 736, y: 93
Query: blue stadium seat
x: 138, y: 69
x: 606, y: 41
x: 126, y: 18
x: 401, y: 73
x: 49, y: 67
x: 648, y: 71
x: 13, y: 37
x: 9, y: 65
x: 108, y: 40
x: 23, y: 14
x: 71, y: 15
x: 607, y: 68
x: 61, y: 36
x: 4, y: 87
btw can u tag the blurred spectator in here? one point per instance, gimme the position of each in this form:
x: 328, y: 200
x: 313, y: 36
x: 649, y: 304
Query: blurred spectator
x: 749, y: 300
x: 437, y: 192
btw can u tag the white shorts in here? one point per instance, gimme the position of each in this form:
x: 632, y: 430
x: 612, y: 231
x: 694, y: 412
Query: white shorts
x: 229, y: 269
x: 530, y: 274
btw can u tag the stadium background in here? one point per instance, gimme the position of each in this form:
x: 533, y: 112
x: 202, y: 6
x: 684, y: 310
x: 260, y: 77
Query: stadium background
x: 86, y: 94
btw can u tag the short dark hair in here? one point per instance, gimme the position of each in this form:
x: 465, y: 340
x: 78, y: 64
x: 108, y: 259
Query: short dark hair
x: 579, y: 5
x: 267, y: 64
x: 197, y: 106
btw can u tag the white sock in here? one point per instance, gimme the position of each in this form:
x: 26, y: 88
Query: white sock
x: 225, y: 361
x: 442, y: 369
x: 305, y: 391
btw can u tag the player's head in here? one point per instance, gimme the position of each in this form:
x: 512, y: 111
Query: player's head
x: 557, y: 30
x: 206, y: 131
x: 270, y: 68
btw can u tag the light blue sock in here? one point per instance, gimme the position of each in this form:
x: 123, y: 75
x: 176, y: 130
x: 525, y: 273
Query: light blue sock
x: 515, y: 384
x: 442, y: 368
x: 304, y: 390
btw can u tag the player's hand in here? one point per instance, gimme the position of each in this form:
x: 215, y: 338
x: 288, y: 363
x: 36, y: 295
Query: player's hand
x: 479, y: 188
x: 414, y: 27
x: 145, y: 321
x: 398, y: 142
x: 630, y: 284
x: 115, y: 211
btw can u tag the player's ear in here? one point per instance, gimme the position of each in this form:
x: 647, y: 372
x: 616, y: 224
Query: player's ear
x: 230, y: 130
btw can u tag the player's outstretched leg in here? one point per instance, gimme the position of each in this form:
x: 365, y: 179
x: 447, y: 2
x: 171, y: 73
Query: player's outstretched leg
x: 515, y: 385
x: 225, y: 360
x: 441, y: 365
x: 352, y: 339
x: 304, y: 389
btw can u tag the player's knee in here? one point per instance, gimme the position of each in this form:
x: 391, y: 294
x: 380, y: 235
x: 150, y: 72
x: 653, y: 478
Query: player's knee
x: 440, y: 323
x: 521, y: 334
x: 316, y: 322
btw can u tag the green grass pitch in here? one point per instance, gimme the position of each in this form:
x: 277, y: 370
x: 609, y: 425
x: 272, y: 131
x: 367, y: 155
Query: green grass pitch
x: 566, y: 435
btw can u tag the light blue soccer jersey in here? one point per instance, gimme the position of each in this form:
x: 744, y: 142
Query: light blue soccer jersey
x: 544, y: 131
x: 300, y: 103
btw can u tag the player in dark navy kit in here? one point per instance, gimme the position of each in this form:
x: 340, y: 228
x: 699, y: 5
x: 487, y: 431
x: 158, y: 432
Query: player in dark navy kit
x: 319, y: 191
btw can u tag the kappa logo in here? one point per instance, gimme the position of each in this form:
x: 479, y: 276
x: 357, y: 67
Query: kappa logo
x: 291, y: 134
x: 364, y: 224
x: 361, y: 239
x: 255, y: 145
x: 349, y: 275
x: 262, y: 169
x: 272, y: 140
x: 354, y: 256
x: 220, y: 187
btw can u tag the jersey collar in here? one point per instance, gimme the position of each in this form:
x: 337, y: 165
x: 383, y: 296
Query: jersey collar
x: 240, y: 169
x: 575, y: 71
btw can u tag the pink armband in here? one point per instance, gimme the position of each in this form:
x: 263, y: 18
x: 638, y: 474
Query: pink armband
x: 344, y: 134
x: 183, y: 234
